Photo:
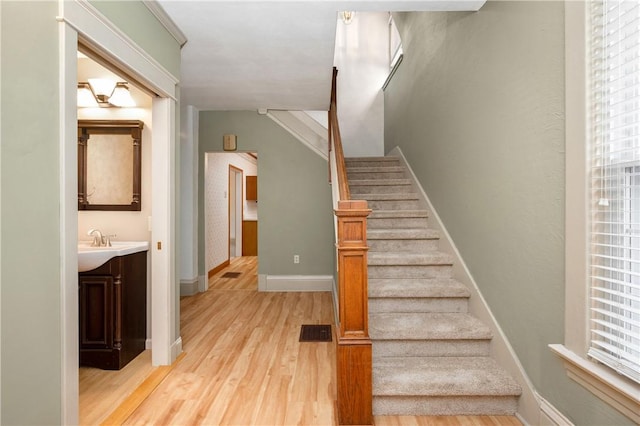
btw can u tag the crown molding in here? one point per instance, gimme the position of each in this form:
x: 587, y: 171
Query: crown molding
x: 162, y: 16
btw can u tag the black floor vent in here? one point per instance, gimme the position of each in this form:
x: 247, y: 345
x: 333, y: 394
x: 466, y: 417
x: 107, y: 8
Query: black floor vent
x: 315, y: 333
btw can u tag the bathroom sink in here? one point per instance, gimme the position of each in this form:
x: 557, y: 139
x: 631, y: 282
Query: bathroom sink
x: 91, y: 257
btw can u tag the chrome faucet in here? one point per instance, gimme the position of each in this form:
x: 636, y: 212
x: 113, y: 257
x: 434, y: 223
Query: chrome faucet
x: 98, y: 238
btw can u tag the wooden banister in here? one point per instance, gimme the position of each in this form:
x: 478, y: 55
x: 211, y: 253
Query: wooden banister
x: 335, y: 141
x: 353, y: 363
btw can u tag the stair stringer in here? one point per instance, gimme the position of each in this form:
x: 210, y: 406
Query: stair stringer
x: 500, y: 348
x: 304, y: 128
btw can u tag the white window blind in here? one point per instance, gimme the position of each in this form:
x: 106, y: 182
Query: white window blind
x: 615, y: 185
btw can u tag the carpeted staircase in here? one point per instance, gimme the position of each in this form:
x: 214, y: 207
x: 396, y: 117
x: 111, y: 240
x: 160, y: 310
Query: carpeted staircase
x: 430, y: 357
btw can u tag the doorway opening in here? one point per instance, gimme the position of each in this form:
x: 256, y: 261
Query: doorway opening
x: 230, y: 208
x: 79, y: 27
x: 95, y: 402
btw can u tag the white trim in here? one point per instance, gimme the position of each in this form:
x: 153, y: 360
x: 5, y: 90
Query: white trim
x: 500, y: 348
x: 163, y: 316
x: 616, y: 390
x: 297, y: 283
x: 203, y: 284
x: 550, y: 415
x: 576, y: 319
x: 147, y: 343
x: 301, y: 130
x: 68, y: 160
x: 262, y: 282
x: 176, y: 349
x: 189, y: 287
x: 166, y: 21
x: 100, y: 33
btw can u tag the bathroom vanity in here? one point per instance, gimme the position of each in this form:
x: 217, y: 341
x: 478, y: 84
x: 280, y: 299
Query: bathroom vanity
x: 113, y: 311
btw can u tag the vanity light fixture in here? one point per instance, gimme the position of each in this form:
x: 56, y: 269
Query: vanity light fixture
x: 85, y: 96
x: 101, y: 92
x: 121, y: 96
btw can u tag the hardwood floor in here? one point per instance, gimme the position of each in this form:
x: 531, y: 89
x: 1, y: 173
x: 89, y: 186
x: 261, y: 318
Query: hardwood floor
x: 243, y: 364
x: 102, y: 390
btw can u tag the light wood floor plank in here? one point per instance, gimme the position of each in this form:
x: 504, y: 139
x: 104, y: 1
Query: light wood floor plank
x: 243, y: 363
x: 102, y: 390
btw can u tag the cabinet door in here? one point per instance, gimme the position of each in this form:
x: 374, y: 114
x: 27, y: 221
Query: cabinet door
x: 252, y: 188
x: 96, y: 311
x: 250, y: 238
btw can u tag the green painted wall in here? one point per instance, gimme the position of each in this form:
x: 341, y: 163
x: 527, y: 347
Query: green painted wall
x: 143, y: 28
x: 30, y: 219
x: 295, y: 210
x: 30, y: 285
x: 477, y: 107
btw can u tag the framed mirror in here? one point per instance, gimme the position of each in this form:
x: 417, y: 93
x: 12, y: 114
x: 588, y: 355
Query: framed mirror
x: 109, y: 164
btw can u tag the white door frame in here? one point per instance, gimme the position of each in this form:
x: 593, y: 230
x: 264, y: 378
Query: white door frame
x: 235, y: 219
x: 79, y: 20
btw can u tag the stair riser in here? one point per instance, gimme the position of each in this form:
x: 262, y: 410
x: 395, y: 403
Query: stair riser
x: 397, y: 222
x: 379, y: 189
x: 392, y: 204
x: 425, y: 348
x: 445, y: 405
x: 424, y: 304
x: 375, y: 175
x: 403, y: 245
x: 371, y: 163
x: 410, y: 271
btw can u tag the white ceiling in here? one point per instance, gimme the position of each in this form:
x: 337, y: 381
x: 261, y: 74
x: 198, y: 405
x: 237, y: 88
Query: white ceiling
x: 247, y: 55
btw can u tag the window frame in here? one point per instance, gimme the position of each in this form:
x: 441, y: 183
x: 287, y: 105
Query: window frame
x: 618, y: 391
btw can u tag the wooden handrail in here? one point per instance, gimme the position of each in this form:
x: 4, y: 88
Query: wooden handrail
x: 335, y: 141
x: 354, y: 362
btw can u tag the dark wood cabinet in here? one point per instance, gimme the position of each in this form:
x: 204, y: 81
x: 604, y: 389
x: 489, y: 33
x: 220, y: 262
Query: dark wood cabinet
x: 252, y: 188
x: 113, y: 312
x: 249, y: 237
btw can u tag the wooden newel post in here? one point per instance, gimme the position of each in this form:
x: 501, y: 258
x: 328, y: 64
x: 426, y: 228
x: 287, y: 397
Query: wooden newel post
x: 354, y: 345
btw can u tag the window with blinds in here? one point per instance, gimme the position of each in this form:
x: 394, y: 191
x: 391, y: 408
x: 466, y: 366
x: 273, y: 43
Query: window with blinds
x: 615, y: 186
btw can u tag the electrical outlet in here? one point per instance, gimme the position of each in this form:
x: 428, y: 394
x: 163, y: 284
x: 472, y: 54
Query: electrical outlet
x: 296, y: 258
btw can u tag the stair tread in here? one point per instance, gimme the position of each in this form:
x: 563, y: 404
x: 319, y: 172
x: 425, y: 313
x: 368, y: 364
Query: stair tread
x: 417, y: 287
x: 409, y: 259
x: 402, y: 234
x: 383, y: 214
x: 403, y: 196
x: 378, y: 182
x: 375, y: 169
x: 426, y: 326
x: 389, y: 159
x: 441, y: 376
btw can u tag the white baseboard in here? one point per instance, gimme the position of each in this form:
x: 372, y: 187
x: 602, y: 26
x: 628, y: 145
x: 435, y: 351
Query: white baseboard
x: 550, y: 415
x: 176, y: 349
x: 147, y: 344
x: 295, y: 283
x: 203, y: 284
x: 189, y: 287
